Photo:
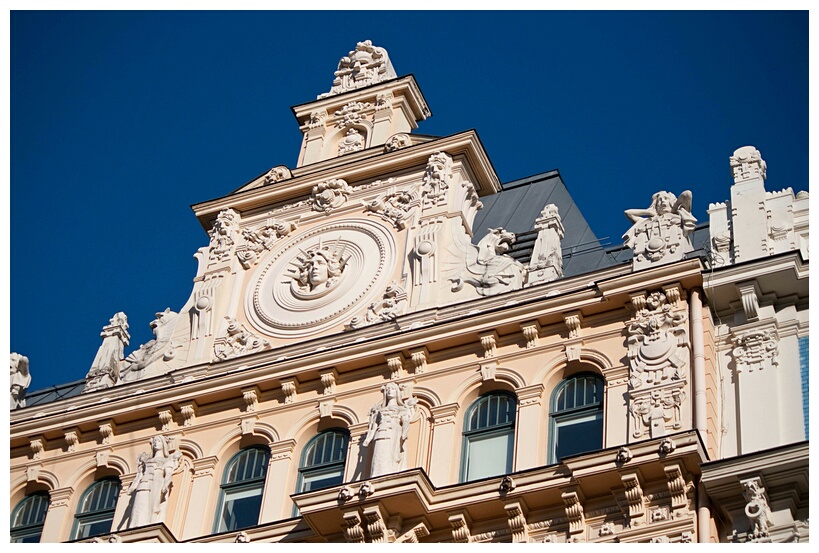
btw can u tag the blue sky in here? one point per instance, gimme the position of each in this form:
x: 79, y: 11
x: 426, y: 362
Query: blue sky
x: 121, y: 120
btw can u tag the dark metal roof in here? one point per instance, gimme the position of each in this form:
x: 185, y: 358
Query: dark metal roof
x: 54, y: 393
x: 520, y: 202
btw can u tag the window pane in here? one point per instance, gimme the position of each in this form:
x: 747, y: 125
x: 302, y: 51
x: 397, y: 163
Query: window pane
x: 489, y: 455
x: 579, y: 435
x: 31, y: 510
x: 316, y: 480
x: 94, y: 527
x: 240, y: 509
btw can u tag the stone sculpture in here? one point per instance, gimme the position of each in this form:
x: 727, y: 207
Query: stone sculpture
x: 105, y: 370
x: 387, y: 308
x: 364, y: 66
x: 330, y: 194
x: 756, y: 509
x: 152, y: 484
x: 237, y: 341
x: 222, y: 235
x: 137, y: 364
x: 437, y: 177
x: 388, y: 430
x: 20, y: 379
x: 318, y: 268
x: 546, y: 263
x: 488, y: 269
x: 656, y: 343
x: 660, y: 233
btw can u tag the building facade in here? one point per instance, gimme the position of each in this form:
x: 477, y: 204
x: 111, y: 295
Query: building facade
x: 386, y: 344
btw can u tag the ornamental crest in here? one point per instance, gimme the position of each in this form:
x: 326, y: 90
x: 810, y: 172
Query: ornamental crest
x: 261, y: 238
x: 330, y: 194
x: 660, y: 233
x: 364, y: 66
x: 652, y: 412
x: 756, y: 350
x: 657, y: 343
x: 394, y: 206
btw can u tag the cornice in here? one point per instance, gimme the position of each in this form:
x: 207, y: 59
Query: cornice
x: 377, y: 167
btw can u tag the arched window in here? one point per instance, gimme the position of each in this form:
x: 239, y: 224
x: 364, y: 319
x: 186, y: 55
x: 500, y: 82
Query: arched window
x: 322, y: 461
x: 489, y: 436
x: 240, y: 497
x: 576, y: 416
x: 95, y: 512
x: 28, y: 517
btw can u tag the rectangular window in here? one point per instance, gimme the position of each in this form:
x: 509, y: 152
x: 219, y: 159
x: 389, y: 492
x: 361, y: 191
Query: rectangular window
x: 240, y: 508
x: 489, y: 454
x: 578, y: 434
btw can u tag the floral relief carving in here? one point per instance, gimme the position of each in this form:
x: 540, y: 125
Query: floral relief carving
x: 331, y: 194
x: 351, y: 114
x: 237, y: 341
x: 657, y: 343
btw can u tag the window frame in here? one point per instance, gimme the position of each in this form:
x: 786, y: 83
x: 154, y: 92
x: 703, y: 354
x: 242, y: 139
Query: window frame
x: 323, y: 466
x: 235, y: 487
x: 507, y: 428
x: 83, y: 519
x: 22, y: 531
x: 597, y: 410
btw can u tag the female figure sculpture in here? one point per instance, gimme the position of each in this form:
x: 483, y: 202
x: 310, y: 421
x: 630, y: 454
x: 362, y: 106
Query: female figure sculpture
x: 150, y: 489
x: 388, y: 430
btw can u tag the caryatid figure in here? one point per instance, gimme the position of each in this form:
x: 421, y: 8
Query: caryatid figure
x: 388, y: 430
x: 152, y: 484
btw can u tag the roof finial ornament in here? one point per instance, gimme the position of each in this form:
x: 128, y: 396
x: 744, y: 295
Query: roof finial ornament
x: 366, y: 65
